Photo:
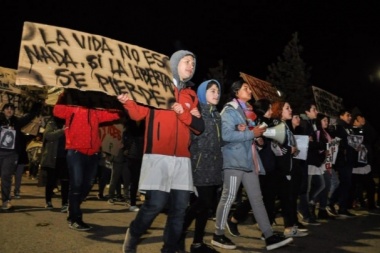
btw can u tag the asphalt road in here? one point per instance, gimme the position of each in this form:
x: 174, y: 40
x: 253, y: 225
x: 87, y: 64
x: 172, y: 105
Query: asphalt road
x: 30, y: 228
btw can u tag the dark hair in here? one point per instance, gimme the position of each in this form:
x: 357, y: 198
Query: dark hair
x: 261, y: 106
x: 319, y: 118
x: 235, y: 87
x: 210, y: 84
x: 307, y: 105
x: 342, y: 112
x: 8, y: 105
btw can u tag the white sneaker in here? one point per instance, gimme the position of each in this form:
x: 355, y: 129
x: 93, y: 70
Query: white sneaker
x: 133, y: 209
x: 294, y: 232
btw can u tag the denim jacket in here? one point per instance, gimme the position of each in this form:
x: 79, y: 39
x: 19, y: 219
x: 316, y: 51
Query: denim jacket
x: 237, y: 149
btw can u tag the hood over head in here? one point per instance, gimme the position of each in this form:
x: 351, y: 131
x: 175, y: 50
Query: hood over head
x: 174, y: 61
x: 201, y: 91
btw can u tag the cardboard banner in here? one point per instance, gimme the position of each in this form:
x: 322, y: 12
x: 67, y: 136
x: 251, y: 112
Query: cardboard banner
x: 8, y: 82
x: 33, y: 127
x: 56, y: 56
x: 261, y: 89
x: 326, y: 102
x: 111, y: 136
x: 11, y: 93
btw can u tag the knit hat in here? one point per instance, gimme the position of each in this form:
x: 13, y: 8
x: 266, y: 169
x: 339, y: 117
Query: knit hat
x: 174, y: 61
x: 201, y: 91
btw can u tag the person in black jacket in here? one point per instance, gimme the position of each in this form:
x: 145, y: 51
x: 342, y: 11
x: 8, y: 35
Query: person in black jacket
x: 53, y: 161
x: 344, y: 164
x: 11, y: 131
x: 206, y: 163
x: 309, y: 127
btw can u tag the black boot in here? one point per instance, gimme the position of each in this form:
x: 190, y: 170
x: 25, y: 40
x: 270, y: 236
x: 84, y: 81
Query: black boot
x: 312, y: 211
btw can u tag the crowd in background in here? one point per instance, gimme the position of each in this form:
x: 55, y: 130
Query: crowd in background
x: 197, y: 162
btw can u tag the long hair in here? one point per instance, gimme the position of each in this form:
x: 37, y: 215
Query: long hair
x: 323, y: 131
x: 235, y: 87
x: 277, y: 109
x: 260, y: 107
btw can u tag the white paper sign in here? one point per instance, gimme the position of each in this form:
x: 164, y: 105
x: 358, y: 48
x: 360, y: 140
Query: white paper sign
x: 302, y: 145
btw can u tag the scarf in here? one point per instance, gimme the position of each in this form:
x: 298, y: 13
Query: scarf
x: 250, y: 117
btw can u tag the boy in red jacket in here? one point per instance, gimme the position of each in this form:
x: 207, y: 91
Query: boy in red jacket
x: 166, y: 167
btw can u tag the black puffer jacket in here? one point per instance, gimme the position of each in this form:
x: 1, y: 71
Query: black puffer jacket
x: 205, y: 149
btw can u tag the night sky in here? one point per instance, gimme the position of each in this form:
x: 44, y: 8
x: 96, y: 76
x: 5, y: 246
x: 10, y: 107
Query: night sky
x: 341, y: 40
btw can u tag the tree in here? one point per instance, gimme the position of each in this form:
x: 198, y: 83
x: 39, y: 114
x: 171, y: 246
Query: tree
x: 290, y: 74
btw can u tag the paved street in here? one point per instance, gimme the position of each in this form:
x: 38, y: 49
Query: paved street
x: 29, y: 227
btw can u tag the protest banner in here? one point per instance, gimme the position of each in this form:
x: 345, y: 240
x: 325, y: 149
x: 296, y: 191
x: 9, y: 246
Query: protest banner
x: 11, y: 93
x: 111, y: 137
x: 326, y: 102
x: 261, y: 89
x: 56, y: 56
x: 332, y: 149
x: 22, y: 97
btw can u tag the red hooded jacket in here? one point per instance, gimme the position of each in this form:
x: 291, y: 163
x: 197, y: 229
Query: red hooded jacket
x: 166, y: 132
x: 82, y: 126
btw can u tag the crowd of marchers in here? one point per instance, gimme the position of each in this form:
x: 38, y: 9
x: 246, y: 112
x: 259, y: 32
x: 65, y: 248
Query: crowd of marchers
x: 196, y: 161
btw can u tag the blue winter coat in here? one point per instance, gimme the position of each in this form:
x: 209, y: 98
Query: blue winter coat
x: 237, y: 149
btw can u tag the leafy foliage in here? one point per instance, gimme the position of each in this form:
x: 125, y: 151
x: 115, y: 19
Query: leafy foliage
x: 290, y: 74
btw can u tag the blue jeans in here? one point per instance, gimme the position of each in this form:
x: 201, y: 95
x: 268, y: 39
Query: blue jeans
x: 303, y: 206
x: 334, y: 183
x: 341, y: 194
x: 322, y: 197
x: 82, y: 172
x: 155, y: 202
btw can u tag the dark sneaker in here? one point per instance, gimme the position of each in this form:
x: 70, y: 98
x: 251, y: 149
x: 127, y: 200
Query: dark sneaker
x: 111, y: 201
x: 120, y: 198
x: 17, y: 195
x: 331, y: 210
x: 346, y: 213
x: 223, y: 242
x: 79, y: 225
x: 274, y: 232
x: 202, y: 248
x: 49, y: 206
x: 310, y: 221
x: 277, y: 241
x: 65, y: 208
x: 232, y: 227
